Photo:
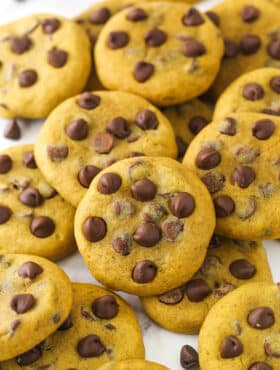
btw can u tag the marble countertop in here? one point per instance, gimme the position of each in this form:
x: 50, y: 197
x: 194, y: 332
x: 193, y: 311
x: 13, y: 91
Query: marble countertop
x: 161, y: 346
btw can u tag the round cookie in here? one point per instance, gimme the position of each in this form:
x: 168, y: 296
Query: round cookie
x: 155, y: 49
x: 45, y: 59
x: 101, y: 327
x: 257, y: 91
x: 228, y: 264
x: 132, y: 364
x: 237, y: 158
x: 251, y: 35
x: 133, y: 225
x: 34, y: 219
x: 246, y: 327
x: 90, y: 132
x: 187, y: 120
x: 35, y: 299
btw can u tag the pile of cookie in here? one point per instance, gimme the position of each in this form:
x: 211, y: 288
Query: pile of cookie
x: 163, y: 196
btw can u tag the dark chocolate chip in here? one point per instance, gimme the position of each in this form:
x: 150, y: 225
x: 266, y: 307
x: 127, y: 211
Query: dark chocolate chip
x: 155, y: 37
x: 57, y: 153
x: 273, y: 49
x: 30, y: 270
x: 228, y: 126
x: 253, y: 91
x: 135, y: 154
x: 29, y: 357
x: 50, y: 25
x: 22, y: 303
x: 117, y: 39
x: 15, y: 324
x: 275, y: 84
x: 87, y: 174
x: 197, y: 290
x: 193, y: 48
x: 189, y: 358
x: 27, y: 78
x: 208, y: 158
x: 231, y: 48
x: 12, y: 130
x: 146, y: 120
x: 6, y: 163
x: 90, y: 346
x: 181, y: 146
x: 231, y: 347
x: 94, y: 229
x: 263, y: 129
x: 171, y: 229
x: 57, y: 58
x: 103, y: 142
x: 77, y: 129
x: 67, y: 324
x: 261, y: 318
x: 100, y: 16
x: 143, y: 71
x: 109, y: 183
x: 122, y: 244
x: 105, y: 307
x: 242, y: 269
x: 214, y: 17
x: 214, y: 181
x: 147, y: 234
x: 182, y: 205
x: 260, y: 366
x: 250, y: 44
x: 172, y: 297
x: 42, y: 226
x: 136, y: 15
x: 118, y: 127
x: 29, y: 160
x: 224, y: 206
x: 20, y: 45
x: 88, y: 101
x: 144, y: 272
x: 5, y: 214
x: 143, y: 190
x: 243, y: 176
x: 31, y: 197
x: 193, y: 18
x: 250, y: 13
x: 197, y: 123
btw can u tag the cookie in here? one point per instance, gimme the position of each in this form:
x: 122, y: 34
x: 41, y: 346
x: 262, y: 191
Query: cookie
x: 35, y: 299
x: 155, y: 49
x: 228, y: 264
x: 246, y: 327
x: 187, y: 120
x: 133, y: 225
x: 237, y: 158
x: 132, y: 364
x: 101, y: 327
x: 90, y: 132
x: 34, y: 219
x: 45, y: 59
x: 251, y: 36
x: 257, y: 91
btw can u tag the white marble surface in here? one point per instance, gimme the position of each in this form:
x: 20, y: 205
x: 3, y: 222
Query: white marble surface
x: 161, y: 346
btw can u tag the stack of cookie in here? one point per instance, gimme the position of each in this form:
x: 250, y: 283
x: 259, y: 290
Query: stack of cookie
x: 162, y: 200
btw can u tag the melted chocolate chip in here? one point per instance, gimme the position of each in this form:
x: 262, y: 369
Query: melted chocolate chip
x: 88, y: 101
x: 105, y: 307
x: 30, y: 270
x: 21, y: 303
x: 57, y: 58
x: 87, y: 174
x: 261, y: 318
x: 77, y: 129
x: 182, y: 205
x: 117, y: 40
x: 143, y: 190
x: 27, y: 78
x: 189, y: 358
x: 94, y: 229
x: 42, y: 226
x: 275, y: 84
x: 135, y: 154
x: 50, y: 25
x: 143, y: 71
x: 5, y: 214
x: 250, y: 44
x: 31, y: 197
x: 224, y: 206
x: 109, y: 183
x: 29, y: 357
x: 242, y: 269
x: 231, y: 347
x: 103, y: 142
x: 144, y: 272
x: 197, y: 290
x: 253, y: 91
x: 155, y: 37
x: 260, y: 366
x: 6, y: 163
x: 171, y: 229
x: 193, y: 18
x: 273, y: 49
x: 146, y: 120
x: 231, y: 49
x: 136, y: 15
x: 208, y: 158
x: 100, y: 16
x: 214, y: 181
x: 20, y: 45
x: 118, y: 127
x: 172, y: 297
x: 181, y: 146
x: 122, y: 244
x: 250, y: 13
x: 90, y: 346
x: 228, y: 126
x: 57, y: 153
x: 12, y: 130
x: 193, y: 48
x: 67, y: 324
x: 197, y: 123
x: 243, y: 176
x: 263, y: 129
x: 214, y: 17
x: 147, y: 235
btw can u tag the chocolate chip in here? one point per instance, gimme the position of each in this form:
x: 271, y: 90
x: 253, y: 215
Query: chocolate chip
x: 5, y: 163
x: 118, y: 127
x: 27, y: 78
x: 144, y: 272
x: 215, y: 242
x: 5, y: 214
x: 94, y: 229
x: 275, y: 84
x: 214, y: 181
x: 189, y: 358
x: 12, y: 130
x: 100, y: 16
x: 273, y: 49
x: 181, y: 146
x: 88, y: 101
x: 242, y: 269
x: 155, y: 37
x: 260, y: 366
x: 29, y: 357
x: 57, y: 58
x: 50, y: 25
x: 243, y: 176
x: 57, y: 153
x: 224, y: 206
x: 87, y: 174
x: 197, y: 123
x: 143, y: 71
x: 103, y: 142
x: 122, y: 244
x: 253, y: 91
x: 231, y: 347
x: 143, y: 190
x: 171, y: 229
x: 117, y: 40
x: 172, y: 297
x: 193, y: 48
x: 77, y: 129
x: 22, y: 303
x: 90, y: 346
x: 214, y: 17
x: 228, y: 126
x: 250, y: 13
x: 263, y: 129
x: 20, y: 45
x: 15, y: 324
x: 261, y: 318
x: 105, y: 307
x: 146, y: 120
x: 135, y: 154
x: 182, y: 205
x: 147, y: 235
x: 109, y: 183
x: 67, y: 324
x: 30, y: 270
x: 193, y: 18
x: 197, y: 290
x: 208, y: 158
x: 250, y: 44
x: 231, y: 49
x: 29, y: 160
x: 136, y: 15
x: 31, y: 197
x: 42, y: 226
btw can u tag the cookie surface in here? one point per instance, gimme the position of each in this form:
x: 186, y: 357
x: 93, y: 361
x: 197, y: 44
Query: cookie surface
x: 187, y: 120
x: 246, y: 327
x: 133, y: 225
x: 237, y: 157
x: 34, y: 219
x: 251, y: 34
x: 228, y: 264
x: 101, y: 327
x: 257, y: 91
x: 40, y: 54
x: 155, y: 49
x: 89, y: 132
x: 36, y: 297
x: 132, y: 364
